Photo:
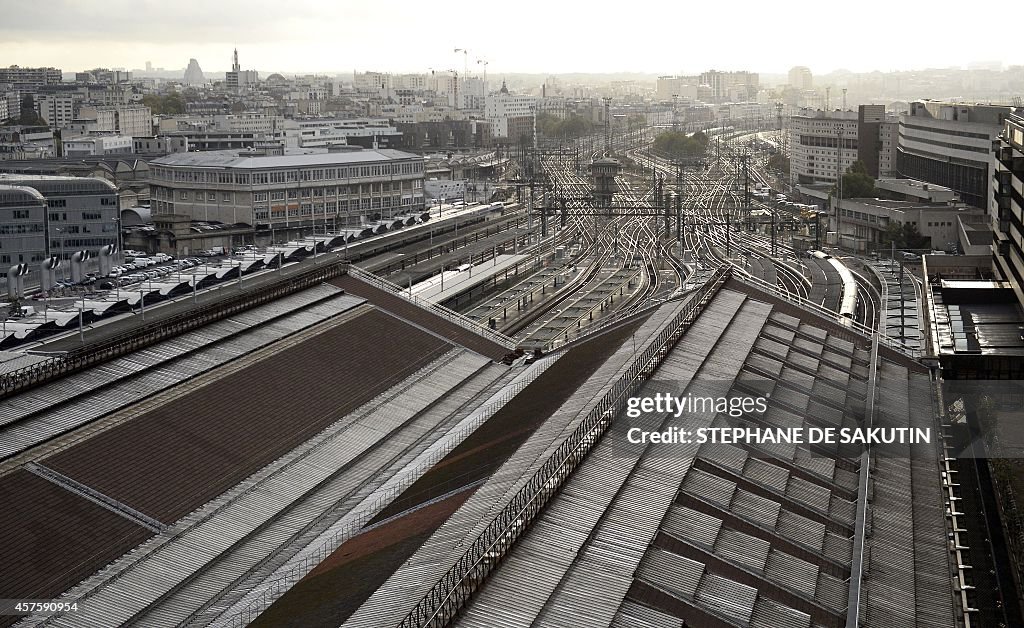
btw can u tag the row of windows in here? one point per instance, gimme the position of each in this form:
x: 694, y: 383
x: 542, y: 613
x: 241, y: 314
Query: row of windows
x: 287, y: 176
x: 930, y: 129
x: 278, y: 195
x: 264, y: 213
x: 864, y: 216
x: 63, y: 216
x: 9, y: 259
x: 73, y: 243
x: 19, y: 229
x: 974, y: 149
x: 826, y: 141
x: 970, y: 182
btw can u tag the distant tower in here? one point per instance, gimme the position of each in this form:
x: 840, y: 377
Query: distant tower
x: 800, y: 77
x: 604, y: 171
x: 238, y: 80
x: 193, y: 73
x: 607, y: 125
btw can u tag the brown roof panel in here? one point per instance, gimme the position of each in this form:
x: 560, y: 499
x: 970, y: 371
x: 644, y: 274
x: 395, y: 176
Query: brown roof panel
x: 181, y: 454
x: 51, y: 539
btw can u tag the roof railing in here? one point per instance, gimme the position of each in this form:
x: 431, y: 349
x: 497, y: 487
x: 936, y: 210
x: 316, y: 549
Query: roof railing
x: 810, y: 306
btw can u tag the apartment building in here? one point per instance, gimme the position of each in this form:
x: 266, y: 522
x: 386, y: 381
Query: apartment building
x: 731, y: 86
x: 30, y: 77
x: 502, y: 106
x: 824, y: 144
x: 130, y: 120
x: 1007, y: 203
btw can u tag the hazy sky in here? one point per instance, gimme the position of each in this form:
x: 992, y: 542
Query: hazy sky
x: 555, y: 36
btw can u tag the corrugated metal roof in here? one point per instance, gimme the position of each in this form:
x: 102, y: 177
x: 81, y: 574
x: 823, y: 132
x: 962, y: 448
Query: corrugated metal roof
x: 48, y: 410
x: 240, y: 517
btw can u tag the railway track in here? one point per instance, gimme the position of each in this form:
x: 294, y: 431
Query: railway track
x: 715, y: 234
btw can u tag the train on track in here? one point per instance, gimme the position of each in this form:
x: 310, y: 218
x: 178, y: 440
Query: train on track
x: 364, y: 248
x: 719, y: 130
x: 848, y: 300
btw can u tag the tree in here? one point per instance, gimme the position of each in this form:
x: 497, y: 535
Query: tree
x: 903, y: 236
x: 857, y: 183
x: 572, y: 127
x: 153, y: 102
x: 679, y: 145
x: 547, y: 124
x: 164, y: 105
x: 173, y: 104
x: 575, y: 126
x: 636, y: 121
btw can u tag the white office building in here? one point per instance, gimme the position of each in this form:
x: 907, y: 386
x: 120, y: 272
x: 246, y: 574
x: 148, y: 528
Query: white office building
x: 286, y: 188
x: 502, y: 106
x: 323, y: 133
x: 824, y: 144
x: 800, y: 78
x: 131, y: 120
x: 58, y: 109
x: 372, y: 82
x: 103, y: 145
x: 683, y: 88
x: 258, y: 123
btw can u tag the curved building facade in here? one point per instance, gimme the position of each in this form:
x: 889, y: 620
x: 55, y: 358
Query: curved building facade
x: 950, y: 144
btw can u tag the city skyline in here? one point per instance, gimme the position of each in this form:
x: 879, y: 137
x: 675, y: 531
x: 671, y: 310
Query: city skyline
x: 318, y: 38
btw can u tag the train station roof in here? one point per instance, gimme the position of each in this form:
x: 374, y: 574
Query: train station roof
x: 187, y: 480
